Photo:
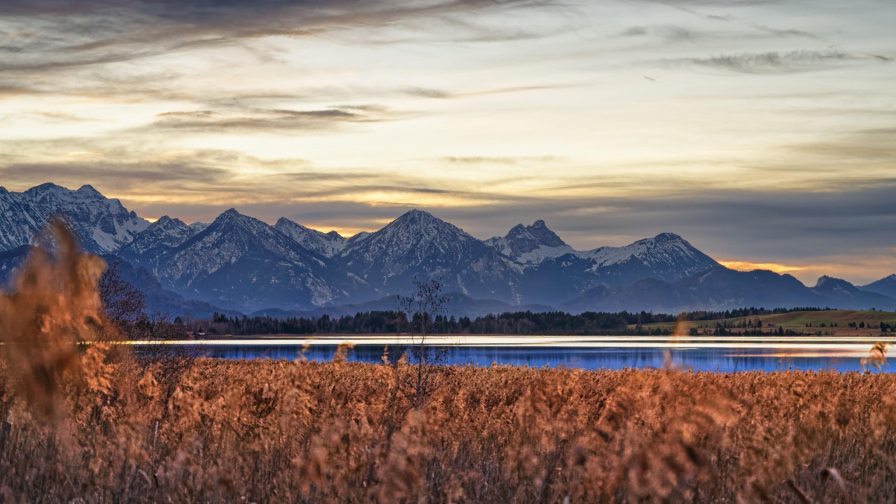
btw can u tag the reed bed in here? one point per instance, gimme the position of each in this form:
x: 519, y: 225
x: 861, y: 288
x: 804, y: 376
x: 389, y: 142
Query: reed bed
x: 123, y: 430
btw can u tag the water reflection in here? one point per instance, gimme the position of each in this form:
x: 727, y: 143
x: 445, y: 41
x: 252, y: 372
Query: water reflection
x: 720, y: 354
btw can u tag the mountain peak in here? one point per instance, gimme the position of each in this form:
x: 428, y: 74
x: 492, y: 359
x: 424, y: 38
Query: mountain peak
x: 166, y: 222
x: 88, y: 189
x: 885, y: 286
x: 668, y: 255
x: 230, y: 215
x: 102, y: 225
x: 831, y: 282
x: 326, y: 244
x: 417, y: 216
x: 530, y: 244
x: 419, y: 219
x: 668, y: 237
x: 44, y: 188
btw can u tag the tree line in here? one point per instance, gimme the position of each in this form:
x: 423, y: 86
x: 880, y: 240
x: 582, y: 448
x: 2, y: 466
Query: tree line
x: 521, y: 323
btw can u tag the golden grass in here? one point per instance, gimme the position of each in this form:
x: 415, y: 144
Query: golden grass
x: 276, y: 431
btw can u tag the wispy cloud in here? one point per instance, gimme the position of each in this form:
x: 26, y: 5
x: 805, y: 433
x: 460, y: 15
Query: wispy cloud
x: 278, y: 121
x: 776, y: 61
x: 508, y: 160
x: 788, y: 32
x: 444, y: 95
x: 669, y: 33
x: 94, y: 32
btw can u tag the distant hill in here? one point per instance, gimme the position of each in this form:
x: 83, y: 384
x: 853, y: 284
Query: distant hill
x: 885, y: 286
x: 721, y: 289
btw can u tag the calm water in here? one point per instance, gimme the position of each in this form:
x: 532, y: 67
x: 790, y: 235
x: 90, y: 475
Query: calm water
x: 728, y: 354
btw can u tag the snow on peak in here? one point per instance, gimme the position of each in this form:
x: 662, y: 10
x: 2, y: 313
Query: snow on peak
x: 326, y: 244
x: 530, y: 244
x: 419, y: 219
x: 230, y: 212
x: 103, y: 225
x: 667, y: 237
x: 163, y: 234
x: 88, y: 189
x: 667, y: 254
x: 410, y: 239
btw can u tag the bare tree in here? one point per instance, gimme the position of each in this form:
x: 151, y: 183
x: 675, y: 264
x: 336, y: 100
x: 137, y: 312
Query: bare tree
x: 124, y: 304
x: 420, y: 310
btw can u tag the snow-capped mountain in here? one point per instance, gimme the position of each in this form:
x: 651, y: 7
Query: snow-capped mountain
x: 160, y: 237
x: 420, y: 245
x: 326, y: 244
x: 667, y: 255
x: 530, y: 244
x: 553, y: 272
x: 103, y: 225
x: 239, y: 261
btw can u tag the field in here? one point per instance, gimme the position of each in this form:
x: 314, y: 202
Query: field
x: 115, y: 429
x: 828, y: 322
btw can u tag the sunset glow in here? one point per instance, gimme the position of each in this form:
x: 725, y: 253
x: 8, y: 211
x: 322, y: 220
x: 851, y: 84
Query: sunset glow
x: 760, y: 131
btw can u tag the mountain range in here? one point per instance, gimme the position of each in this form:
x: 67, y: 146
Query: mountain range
x: 239, y: 264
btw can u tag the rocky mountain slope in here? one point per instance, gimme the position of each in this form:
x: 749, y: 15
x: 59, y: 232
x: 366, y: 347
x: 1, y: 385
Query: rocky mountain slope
x: 103, y: 225
x: 885, y: 286
x: 420, y: 245
x: 243, y: 264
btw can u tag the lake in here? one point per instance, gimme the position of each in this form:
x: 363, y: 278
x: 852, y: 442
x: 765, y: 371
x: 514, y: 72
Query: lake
x: 725, y: 354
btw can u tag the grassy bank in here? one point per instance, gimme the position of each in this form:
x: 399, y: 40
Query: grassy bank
x: 825, y: 322
x: 119, y: 430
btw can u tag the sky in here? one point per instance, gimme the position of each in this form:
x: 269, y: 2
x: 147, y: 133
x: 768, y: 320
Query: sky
x: 762, y: 131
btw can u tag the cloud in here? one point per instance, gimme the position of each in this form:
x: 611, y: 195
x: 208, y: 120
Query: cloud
x: 92, y: 32
x: 444, y: 95
x: 775, y: 61
x: 669, y: 33
x: 784, y: 33
x: 507, y: 160
x: 278, y: 121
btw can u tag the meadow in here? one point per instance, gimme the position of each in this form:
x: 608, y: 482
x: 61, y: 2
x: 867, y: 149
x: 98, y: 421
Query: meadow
x: 821, y: 322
